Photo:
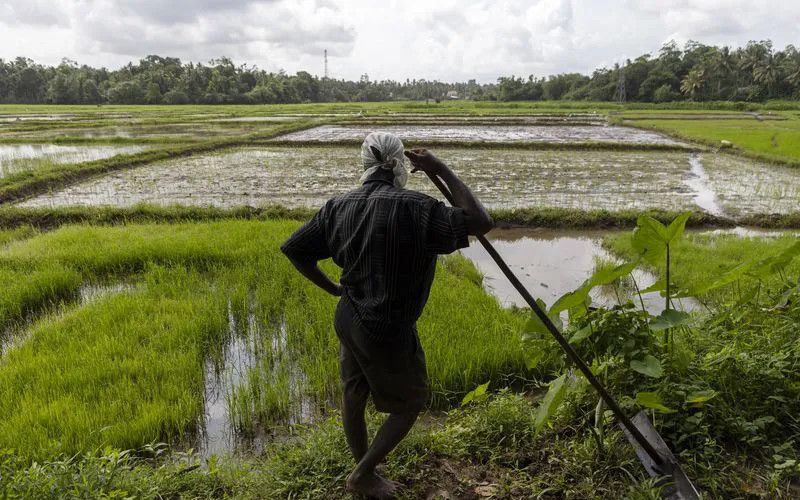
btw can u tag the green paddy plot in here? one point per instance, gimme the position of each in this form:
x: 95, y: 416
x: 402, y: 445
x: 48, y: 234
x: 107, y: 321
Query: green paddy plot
x: 773, y: 139
x: 133, y: 365
x: 308, y: 176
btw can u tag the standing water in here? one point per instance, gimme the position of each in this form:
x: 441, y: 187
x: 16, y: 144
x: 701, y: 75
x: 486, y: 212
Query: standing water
x: 704, y: 196
x: 551, y: 263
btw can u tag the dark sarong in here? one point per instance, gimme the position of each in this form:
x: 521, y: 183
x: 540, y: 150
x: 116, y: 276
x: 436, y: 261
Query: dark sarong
x: 391, y: 369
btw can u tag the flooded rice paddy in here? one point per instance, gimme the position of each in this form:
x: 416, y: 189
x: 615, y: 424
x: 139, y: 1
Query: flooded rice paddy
x: 498, y: 133
x: 744, y: 186
x: 310, y: 176
x: 19, y: 157
x: 177, y: 131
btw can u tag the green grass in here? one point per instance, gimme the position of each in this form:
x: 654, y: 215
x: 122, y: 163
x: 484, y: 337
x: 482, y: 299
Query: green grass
x: 769, y: 139
x: 124, y: 370
x: 568, y: 218
x: 492, y: 443
x: 134, y: 361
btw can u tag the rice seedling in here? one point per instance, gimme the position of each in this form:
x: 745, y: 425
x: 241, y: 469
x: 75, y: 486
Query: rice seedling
x: 134, y: 361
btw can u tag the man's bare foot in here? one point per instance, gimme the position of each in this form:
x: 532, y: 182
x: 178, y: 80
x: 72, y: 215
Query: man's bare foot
x: 372, y: 485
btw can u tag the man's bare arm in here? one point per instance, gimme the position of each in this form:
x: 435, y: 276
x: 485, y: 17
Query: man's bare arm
x: 477, y: 219
x: 311, y: 270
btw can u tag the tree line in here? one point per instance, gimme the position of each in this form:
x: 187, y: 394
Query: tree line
x: 698, y: 72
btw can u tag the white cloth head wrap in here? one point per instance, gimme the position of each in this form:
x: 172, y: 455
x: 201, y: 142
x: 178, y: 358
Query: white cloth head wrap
x: 390, y: 157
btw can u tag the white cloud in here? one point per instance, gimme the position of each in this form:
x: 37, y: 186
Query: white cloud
x: 397, y: 39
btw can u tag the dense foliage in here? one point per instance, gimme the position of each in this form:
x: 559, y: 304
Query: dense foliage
x: 699, y: 72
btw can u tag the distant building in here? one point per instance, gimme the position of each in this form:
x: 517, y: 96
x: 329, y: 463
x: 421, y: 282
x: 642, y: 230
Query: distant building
x: 453, y: 94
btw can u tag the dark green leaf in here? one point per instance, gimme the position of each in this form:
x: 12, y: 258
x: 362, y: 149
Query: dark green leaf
x: 552, y: 400
x: 649, y: 366
x: 533, y: 357
x: 659, y: 286
x: 570, y: 299
x: 649, y: 239
x: 724, y: 279
x: 700, y: 397
x: 772, y: 265
x: 581, y: 335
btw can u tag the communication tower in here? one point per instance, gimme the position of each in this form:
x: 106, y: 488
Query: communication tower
x: 326, y: 63
x: 619, y: 94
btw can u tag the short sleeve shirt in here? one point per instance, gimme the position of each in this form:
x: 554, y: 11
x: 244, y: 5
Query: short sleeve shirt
x: 386, y: 241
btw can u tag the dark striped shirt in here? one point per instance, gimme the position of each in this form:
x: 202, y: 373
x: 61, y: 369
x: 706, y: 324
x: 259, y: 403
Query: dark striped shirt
x: 385, y: 240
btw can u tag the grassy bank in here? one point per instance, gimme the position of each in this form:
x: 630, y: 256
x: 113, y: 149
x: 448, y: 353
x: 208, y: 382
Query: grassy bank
x: 46, y: 218
x: 486, y: 449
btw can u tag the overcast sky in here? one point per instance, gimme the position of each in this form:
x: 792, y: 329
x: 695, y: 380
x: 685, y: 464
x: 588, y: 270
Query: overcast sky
x: 452, y: 40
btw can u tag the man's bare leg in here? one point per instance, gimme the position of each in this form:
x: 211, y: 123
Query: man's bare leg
x: 355, y: 425
x: 364, y: 479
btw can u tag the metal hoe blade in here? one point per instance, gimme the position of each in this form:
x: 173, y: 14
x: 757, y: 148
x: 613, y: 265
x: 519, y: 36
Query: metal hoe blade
x: 675, y: 484
x: 657, y: 459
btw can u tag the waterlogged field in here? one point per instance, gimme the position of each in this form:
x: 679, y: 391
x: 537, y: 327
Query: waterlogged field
x: 309, y: 176
x: 16, y: 158
x: 743, y: 186
x: 110, y: 132
x: 497, y: 133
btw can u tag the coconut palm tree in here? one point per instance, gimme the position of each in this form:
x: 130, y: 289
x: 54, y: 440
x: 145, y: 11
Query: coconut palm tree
x: 693, y: 82
x: 791, y: 67
x: 753, y: 55
x: 768, y: 73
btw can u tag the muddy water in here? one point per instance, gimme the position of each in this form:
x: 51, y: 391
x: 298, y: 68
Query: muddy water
x: 14, y: 157
x: 37, y: 118
x: 499, y: 133
x: 704, y: 196
x: 310, y: 176
x: 222, y: 377
x: 242, y: 356
x: 551, y: 263
x: 128, y: 131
